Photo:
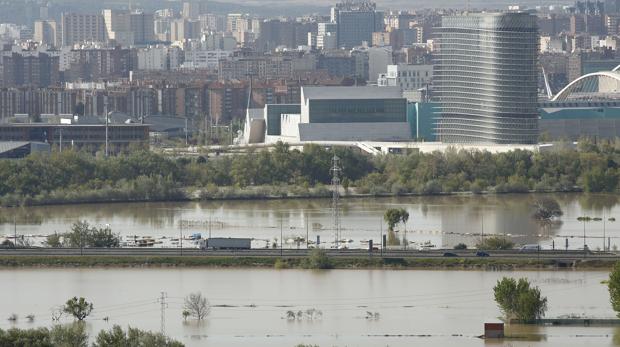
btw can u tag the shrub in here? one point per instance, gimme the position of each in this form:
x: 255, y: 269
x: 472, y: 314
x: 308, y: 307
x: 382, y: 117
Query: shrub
x: 318, y: 259
x: 495, y: 243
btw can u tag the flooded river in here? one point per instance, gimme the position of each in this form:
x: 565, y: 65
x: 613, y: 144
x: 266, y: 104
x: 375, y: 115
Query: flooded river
x: 416, y: 308
x: 441, y: 220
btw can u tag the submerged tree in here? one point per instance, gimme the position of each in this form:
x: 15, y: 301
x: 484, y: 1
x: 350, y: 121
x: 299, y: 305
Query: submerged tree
x: 614, y: 288
x: 393, y: 216
x: 518, y: 300
x: 547, y: 209
x: 197, y: 305
x: 78, y: 308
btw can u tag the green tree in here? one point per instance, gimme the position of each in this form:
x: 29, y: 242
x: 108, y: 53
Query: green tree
x: 613, y: 285
x: 116, y: 337
x: 392, y: 216
x: 78, y: 308
x: 84, y: 235
x: 71, y: 335
x: 54, y: 240
x: 495, y: 243
x: 519, y: 300
x: 103, y: 238
x: 25, y: 338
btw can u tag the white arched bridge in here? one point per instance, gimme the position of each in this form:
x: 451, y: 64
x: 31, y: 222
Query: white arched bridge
x: 593, y: 86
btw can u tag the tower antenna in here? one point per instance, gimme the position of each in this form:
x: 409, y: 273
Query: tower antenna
x: 336, y: 170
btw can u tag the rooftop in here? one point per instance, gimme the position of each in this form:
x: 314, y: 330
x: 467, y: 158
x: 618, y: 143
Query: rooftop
x: 348, y: 93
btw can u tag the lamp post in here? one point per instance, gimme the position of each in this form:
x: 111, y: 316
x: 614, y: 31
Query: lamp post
x: 611, y: 219
x: 584, y: 219
x: 181, y: 233
x: 281, y: 241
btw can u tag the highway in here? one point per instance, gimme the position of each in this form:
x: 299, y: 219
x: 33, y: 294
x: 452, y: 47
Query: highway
x: 353, y: 253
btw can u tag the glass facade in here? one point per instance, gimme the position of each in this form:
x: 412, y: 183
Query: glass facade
x: 358, y: 111
x: 273, y: 116
x: 486, y: 78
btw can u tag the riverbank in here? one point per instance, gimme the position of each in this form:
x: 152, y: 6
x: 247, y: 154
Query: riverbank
x: 302, y: 263
x: 227, y: 193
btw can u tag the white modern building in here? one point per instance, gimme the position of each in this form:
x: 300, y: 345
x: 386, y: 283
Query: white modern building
x: 204, y: 59
x: 326, y: 37
x: 159, y: 58
x: 333, y: 114
x: 407, y: 77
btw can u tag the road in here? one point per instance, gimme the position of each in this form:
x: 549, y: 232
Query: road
x: 357, y: 253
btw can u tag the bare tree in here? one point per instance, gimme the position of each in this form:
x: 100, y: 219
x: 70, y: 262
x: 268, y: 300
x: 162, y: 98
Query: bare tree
x: 197, y: 305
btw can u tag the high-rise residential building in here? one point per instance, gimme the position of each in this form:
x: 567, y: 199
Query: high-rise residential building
x: 79, y: 28
x: 212, y: 22
x: 326, y: 37
x: 233, y: 20
x: 45, y: 32
x: 184, y: 29
x: 117, y: 26
x: 193, y: 9
x: 486, y: 78
x: 162, y: 27
x: 142, y: 25
x: 128, y: 28
x: 36, y: 68
x: 356, y: 22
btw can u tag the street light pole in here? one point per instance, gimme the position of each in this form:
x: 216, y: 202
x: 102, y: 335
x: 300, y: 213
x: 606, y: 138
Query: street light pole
x: 281, y: 241
x: 181, y: 232
x: 381, y: 237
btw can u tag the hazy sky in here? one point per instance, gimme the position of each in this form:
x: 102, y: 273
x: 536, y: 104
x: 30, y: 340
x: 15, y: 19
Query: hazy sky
x: 408, y: 4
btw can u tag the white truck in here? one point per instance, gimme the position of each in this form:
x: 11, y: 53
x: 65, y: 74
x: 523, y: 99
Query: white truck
x: 226, y: 243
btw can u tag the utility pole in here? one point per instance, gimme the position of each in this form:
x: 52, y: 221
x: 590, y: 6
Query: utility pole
x: 186, y: 137
x: 381, y: 237
x: 281, y: 237
x: 603, y: 230
x: 107, y: 136
x: 181, y: 232
x: 336, y: 170
x: 209, y: 226
x: 15, y: 231
x: 60, y: 139
x: 307, y: 232
x: 163, y: 306
x: 482, y: 216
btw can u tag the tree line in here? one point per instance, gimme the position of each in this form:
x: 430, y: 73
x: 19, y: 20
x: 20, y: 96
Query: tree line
x: 143, y: 175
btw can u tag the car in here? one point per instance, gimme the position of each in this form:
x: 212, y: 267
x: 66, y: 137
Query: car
x: 482, y: 254
x: 529, y: 248
x: 450, y: 254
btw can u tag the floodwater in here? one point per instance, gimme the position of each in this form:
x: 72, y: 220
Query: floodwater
x: 443, y: 221
x: 416, y: 308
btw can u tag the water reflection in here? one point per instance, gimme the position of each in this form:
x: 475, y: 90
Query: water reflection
x: 441, y: 220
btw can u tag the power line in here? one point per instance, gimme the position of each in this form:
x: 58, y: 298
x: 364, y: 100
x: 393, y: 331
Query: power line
x: 164, y: 305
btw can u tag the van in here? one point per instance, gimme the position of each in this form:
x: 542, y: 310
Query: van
x: 530, y: 248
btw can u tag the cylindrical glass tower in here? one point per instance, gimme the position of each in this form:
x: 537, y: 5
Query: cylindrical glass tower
x: 486, y: 78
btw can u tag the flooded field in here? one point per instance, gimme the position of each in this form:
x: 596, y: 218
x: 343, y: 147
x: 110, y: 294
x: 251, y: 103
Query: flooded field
x: 249, y: 307
x: 442, y: 221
